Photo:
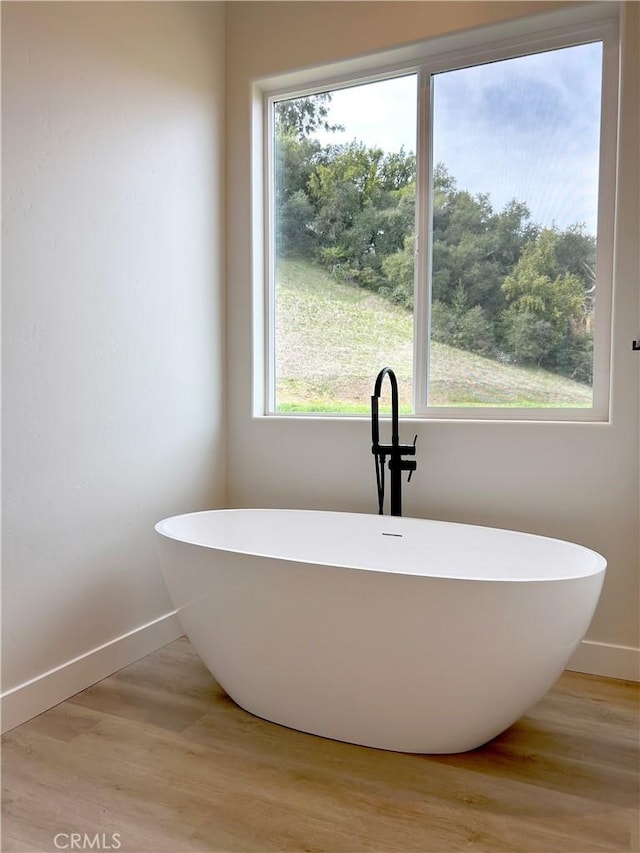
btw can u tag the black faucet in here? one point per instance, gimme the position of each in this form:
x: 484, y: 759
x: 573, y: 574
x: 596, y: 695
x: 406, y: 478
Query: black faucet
x: 395, y: 451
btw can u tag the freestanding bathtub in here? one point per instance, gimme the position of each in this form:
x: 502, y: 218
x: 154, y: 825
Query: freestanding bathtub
x: 397, y: 633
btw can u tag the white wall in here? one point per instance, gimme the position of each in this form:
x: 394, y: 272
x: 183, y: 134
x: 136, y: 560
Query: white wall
x: 573, y: 481
x: 113, y: 322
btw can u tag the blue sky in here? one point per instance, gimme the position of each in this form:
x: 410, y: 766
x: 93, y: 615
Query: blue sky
x: 525, y: 128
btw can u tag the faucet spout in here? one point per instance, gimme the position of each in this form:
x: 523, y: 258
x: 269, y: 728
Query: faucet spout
x: 395, y: 451
x: 375, y: 422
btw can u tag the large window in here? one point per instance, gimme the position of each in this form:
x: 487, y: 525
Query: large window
x: 451, y: 219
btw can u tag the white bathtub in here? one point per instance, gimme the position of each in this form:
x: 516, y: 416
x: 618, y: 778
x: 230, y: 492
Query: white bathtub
x: 397, y: 633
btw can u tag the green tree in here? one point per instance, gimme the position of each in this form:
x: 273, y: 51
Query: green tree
x: 297, y: 155
x: 364, y: 202
x: 295, y: 161
x: 538, y: 285
x: 539, y: 291
x: 473, y: 246
x: 300, y: 117
x: 461, y: 326
x: 398, y: 269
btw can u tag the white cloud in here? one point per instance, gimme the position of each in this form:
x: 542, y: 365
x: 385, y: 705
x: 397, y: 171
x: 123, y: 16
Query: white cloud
x: 526, y: 128
x: 381, y: 114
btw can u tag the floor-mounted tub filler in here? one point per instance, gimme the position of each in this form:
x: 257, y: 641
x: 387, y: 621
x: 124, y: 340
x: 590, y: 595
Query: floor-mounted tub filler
x: 398, y: 633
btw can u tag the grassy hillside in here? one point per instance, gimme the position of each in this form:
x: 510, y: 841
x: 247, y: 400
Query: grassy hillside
x: 333, y: 338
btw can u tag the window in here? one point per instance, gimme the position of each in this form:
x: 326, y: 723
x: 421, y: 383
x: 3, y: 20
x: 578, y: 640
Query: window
x: 451, y: 218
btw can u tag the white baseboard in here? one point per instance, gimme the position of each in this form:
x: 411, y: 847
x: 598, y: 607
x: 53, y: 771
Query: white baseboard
x: 31, y: 698
x: 607, y: 660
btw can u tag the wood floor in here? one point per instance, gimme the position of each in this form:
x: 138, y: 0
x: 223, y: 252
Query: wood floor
x: 160, y: 756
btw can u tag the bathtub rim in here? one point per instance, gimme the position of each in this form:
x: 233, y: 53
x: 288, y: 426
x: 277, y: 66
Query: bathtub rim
x: 595, y: 563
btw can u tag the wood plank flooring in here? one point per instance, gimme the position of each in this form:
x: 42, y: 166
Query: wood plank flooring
x: 159, y: 755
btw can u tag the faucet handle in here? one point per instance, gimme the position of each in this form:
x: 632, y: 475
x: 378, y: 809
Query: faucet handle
x: 413, y: 463
x: 409, y: 465
x: 408, y: 449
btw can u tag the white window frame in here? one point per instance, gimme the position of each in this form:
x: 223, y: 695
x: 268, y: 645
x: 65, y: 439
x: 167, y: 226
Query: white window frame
x: 592, y: 23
